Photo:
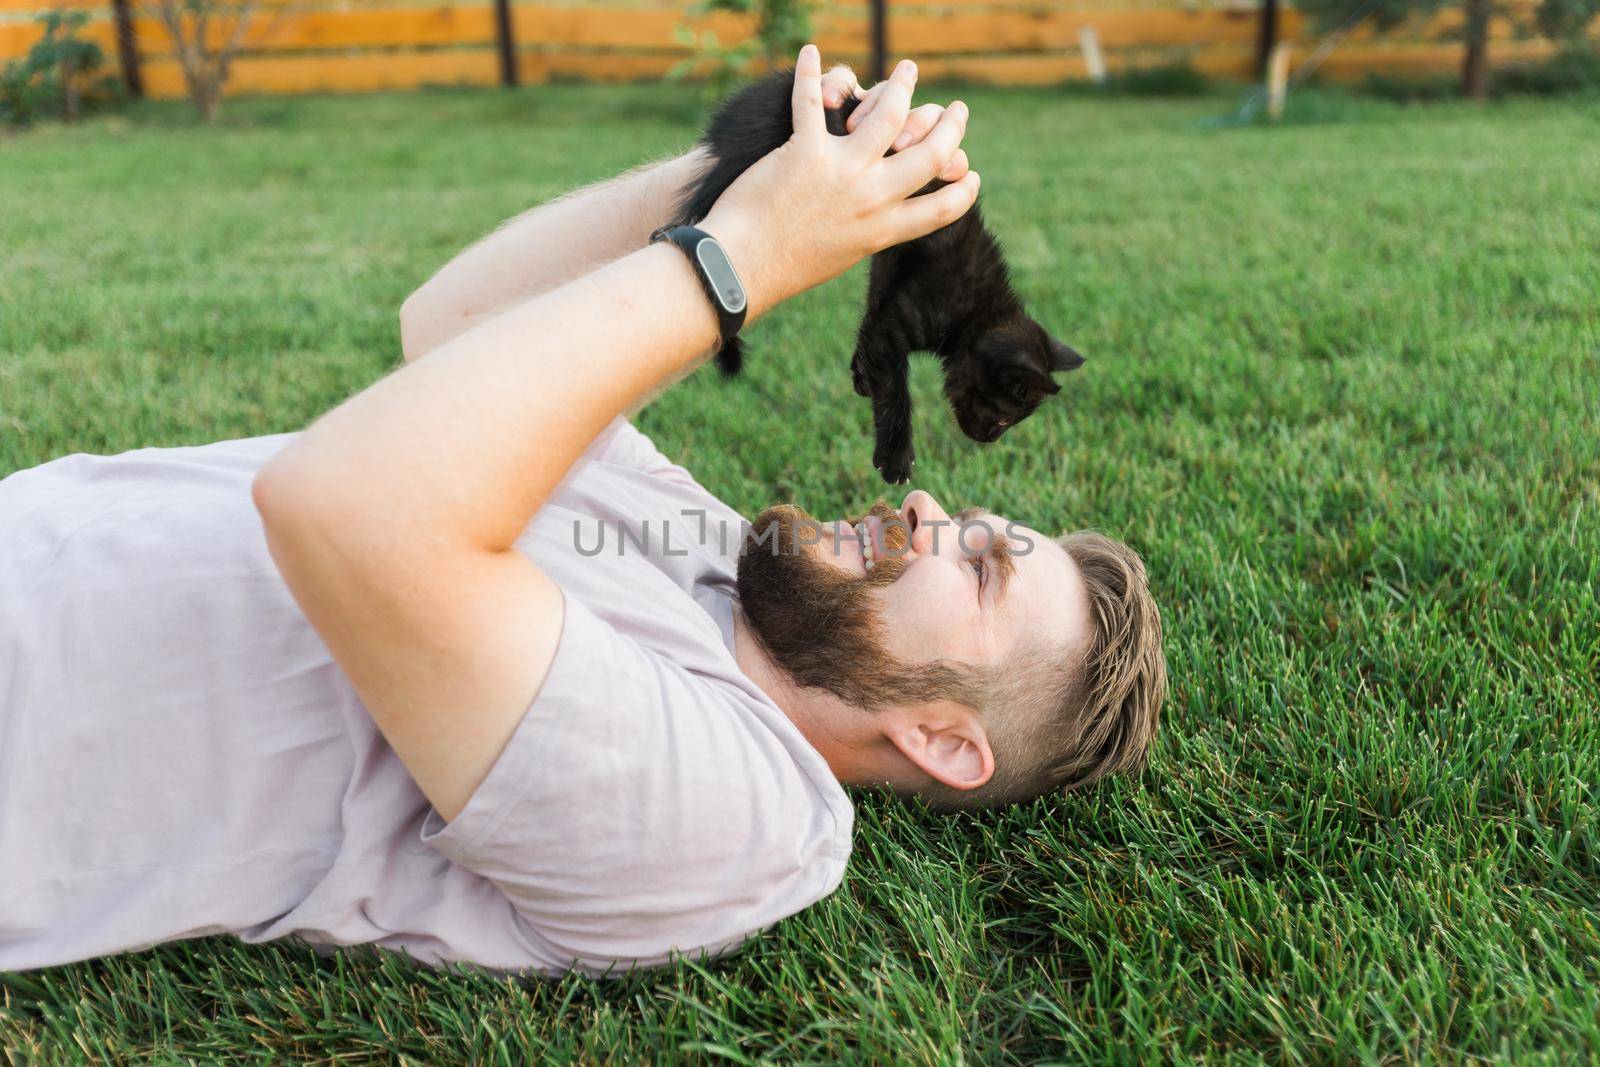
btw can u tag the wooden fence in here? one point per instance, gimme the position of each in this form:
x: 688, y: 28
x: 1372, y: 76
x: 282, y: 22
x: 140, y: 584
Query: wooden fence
x: 347, y: 45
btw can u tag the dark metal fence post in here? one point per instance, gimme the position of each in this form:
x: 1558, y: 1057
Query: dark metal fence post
x: 507, y: 39
x: 880, y: 40
x: 1267, y: 37
x: 127, y: 48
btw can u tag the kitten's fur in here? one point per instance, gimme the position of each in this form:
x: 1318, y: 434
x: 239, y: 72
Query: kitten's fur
x: 947, y: 293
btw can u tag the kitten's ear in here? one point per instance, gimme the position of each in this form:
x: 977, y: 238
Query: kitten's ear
x: 1063, y: 357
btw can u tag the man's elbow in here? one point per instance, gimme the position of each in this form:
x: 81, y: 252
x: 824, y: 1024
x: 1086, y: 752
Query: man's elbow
x: 415, y: 315
x: 431, y: 316
x: 286, y: 496
x: 272, y: 492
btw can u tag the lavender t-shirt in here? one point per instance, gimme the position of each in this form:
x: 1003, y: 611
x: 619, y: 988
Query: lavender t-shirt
x: 179, y: 754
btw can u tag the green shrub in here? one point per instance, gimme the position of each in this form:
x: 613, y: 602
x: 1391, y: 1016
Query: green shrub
x: 1575, y: 69
x: 1167, y: 79
x: 1572, y: 70
x: 1566, y: 20
x: 782, y: 26
x: 1413, y: 88
x: 57, y: 76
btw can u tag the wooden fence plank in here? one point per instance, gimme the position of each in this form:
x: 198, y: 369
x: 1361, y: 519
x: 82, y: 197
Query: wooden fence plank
x: 584, y: 27
x: 443, y: 25
x: 538, y: 67
x: 1045, y: 31
x: 39, y: 7
x: 1227, y: 60
x: 1425, y: 58
x: 300, y: 74
x: 382, y: 28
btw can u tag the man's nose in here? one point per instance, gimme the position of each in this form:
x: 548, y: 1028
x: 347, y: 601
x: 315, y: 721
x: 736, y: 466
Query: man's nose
x: 931, y: 528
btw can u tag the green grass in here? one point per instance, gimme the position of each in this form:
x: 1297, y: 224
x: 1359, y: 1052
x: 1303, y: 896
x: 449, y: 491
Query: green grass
x: 1342, y: 394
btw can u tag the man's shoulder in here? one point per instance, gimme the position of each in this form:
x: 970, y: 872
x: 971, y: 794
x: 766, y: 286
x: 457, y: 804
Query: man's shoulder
x: 695, y: 688
x: 671, y: 809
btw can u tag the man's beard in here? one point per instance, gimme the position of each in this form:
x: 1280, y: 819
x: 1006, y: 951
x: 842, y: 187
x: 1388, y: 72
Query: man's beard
x: 825, y: 627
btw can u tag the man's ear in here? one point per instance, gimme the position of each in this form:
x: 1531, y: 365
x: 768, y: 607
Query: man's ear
x: 1063, y: 357
x: 946, y: 741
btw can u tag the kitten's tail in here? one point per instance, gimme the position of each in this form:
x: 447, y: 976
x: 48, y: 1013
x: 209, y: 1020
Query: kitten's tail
x: 730, y: 357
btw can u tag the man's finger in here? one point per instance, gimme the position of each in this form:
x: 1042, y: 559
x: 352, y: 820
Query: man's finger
x: 957, y: 167
x: 807, y: 98
x: 928, y: 158
x: 868, y: 102
x: 919, y: 216
x: 839, y: 85
x: 878, y: 130
x: 918, y: 123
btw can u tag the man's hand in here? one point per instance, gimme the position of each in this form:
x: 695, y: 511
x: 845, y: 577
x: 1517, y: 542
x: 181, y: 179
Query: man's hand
x: 819, y: 204
x: 574, y: 234
x: 840, y: 84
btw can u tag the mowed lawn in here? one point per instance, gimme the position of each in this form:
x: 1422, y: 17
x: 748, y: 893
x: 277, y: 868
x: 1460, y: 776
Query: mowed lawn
x: 1343, y: 393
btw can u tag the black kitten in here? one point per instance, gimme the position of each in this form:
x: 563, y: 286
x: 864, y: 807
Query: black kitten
x: 947, y: 293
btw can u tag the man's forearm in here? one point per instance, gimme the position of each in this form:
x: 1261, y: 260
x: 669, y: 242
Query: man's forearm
x: 542, y: 249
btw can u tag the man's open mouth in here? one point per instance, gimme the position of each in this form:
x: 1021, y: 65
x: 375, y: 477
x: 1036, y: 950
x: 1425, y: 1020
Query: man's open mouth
x: 882, y: 534
x: 869, y: 546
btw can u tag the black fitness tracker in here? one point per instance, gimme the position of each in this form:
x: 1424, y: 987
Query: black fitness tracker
x: 717, y: 276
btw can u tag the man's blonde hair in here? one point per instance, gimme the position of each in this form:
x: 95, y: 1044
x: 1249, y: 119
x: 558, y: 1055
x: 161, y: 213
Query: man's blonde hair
x: 1061, y: 719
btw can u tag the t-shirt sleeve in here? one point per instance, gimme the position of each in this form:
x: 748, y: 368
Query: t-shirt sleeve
x: 639, y: 811
x: 623, y: 444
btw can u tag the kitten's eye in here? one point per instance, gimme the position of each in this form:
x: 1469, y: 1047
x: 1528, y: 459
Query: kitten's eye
x: 1020, y: 392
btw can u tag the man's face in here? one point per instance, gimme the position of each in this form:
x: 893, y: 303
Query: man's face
x: 853, y: 604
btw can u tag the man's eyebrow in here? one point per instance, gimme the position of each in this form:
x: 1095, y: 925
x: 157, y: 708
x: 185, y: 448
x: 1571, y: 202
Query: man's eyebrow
x: 999, y: 553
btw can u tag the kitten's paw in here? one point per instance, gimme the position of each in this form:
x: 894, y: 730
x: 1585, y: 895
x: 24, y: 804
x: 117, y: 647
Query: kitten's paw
x: 858, y: 378
x: 894, y: 464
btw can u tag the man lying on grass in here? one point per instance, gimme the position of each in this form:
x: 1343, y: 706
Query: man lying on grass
x: 476, y: 673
